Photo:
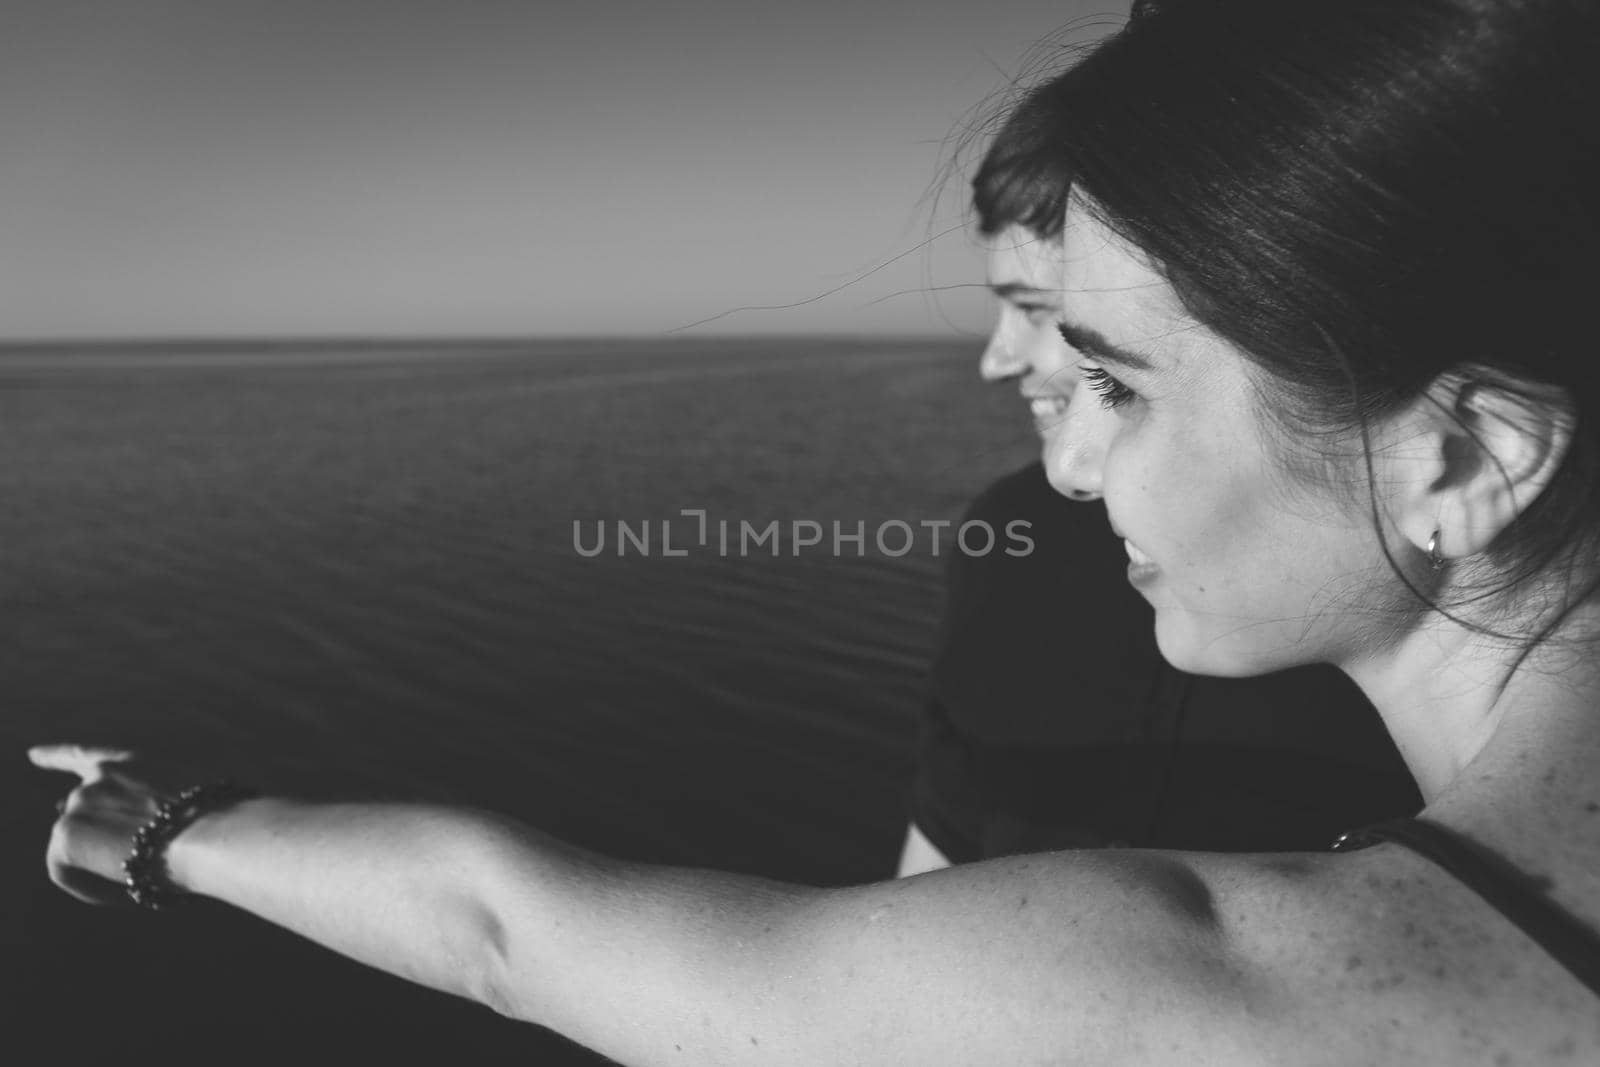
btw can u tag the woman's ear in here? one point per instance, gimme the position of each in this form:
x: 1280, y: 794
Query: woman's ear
x: 1478, y: 448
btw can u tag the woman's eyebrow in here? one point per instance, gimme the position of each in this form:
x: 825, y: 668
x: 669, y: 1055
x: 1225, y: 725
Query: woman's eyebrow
x: 1093, y: 343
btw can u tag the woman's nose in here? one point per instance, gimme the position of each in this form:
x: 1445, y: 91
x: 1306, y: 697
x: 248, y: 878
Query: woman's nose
x: 1074, y: 453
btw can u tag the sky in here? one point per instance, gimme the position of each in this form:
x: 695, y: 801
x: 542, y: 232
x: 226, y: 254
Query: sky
x: 415, y: 168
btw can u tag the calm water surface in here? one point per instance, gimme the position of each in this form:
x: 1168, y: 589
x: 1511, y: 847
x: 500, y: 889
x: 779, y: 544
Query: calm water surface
x: 352, y: 570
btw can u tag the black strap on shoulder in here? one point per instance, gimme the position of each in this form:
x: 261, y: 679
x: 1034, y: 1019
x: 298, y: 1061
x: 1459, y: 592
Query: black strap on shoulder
x: 1509, y: 891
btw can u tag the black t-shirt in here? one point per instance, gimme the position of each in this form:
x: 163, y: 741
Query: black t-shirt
x: 1053, y: 722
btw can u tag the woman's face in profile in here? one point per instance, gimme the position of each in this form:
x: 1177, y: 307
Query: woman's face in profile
x: 1249, y: 570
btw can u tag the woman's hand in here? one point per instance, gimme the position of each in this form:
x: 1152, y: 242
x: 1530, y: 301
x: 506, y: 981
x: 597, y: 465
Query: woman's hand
x: 93, y: 834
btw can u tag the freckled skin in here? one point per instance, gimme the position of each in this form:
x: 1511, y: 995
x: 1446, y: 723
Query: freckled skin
x: 1565, y: 1048
x: 1418, y: 948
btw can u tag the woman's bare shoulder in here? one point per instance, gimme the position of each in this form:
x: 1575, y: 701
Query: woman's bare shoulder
x: 1385, y: 957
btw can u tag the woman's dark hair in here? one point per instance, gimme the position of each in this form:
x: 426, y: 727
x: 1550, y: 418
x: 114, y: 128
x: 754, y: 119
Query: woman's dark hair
x: 1361, y: 195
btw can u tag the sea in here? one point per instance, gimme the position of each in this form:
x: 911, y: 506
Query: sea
x: 673, y: 600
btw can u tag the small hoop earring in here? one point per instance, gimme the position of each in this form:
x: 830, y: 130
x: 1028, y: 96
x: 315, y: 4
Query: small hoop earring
x: 1435, y: 560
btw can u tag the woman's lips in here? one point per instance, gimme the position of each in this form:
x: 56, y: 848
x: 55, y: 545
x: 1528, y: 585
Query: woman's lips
x: 1141, y: 568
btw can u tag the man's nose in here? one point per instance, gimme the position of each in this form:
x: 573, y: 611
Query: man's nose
x: 1002, y: 358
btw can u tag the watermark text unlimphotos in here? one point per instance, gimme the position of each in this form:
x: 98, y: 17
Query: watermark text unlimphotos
x: 697, y: 533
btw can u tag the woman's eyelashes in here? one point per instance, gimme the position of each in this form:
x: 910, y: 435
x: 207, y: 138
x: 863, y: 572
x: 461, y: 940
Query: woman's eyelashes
x: 1112, y: 393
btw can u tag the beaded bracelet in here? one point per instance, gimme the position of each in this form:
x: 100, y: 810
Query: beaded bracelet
x: 145, y: 869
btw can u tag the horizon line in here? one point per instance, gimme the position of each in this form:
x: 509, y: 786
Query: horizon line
x: 376, y: 340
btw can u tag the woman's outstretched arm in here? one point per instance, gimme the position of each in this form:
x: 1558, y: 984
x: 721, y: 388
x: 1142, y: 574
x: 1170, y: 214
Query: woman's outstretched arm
x: 1005, y: 963
x: 1079, y: 957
